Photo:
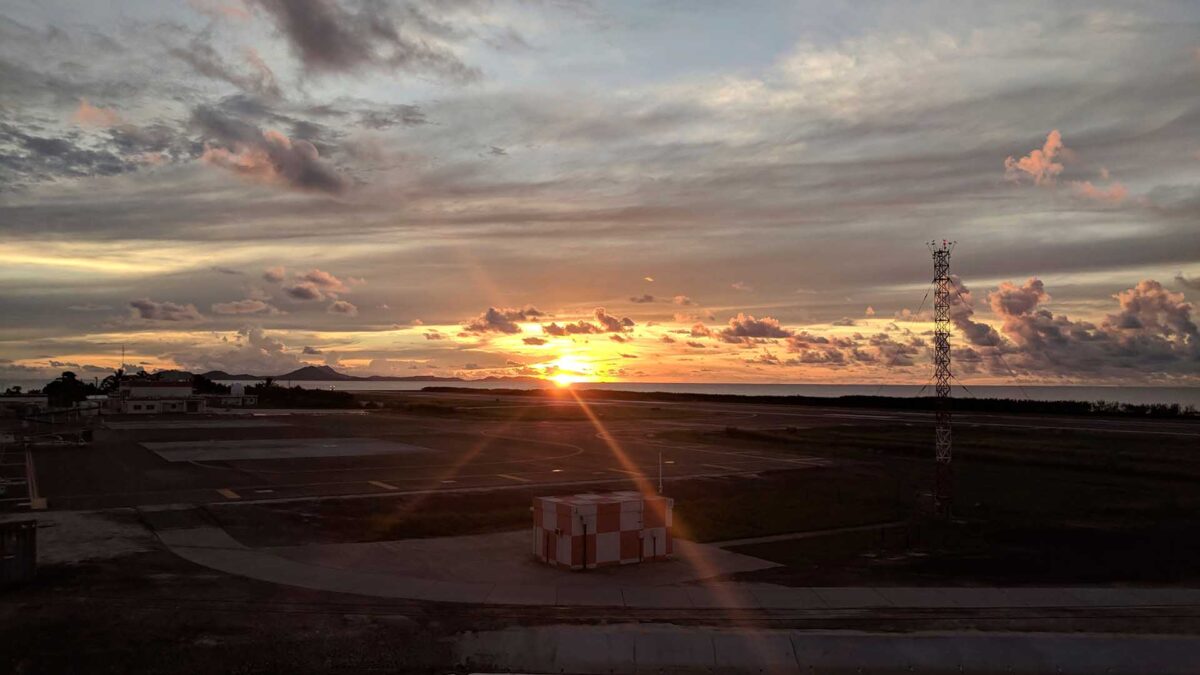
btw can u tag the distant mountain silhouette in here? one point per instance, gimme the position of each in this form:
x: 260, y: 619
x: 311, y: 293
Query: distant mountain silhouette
x: 328, y: 374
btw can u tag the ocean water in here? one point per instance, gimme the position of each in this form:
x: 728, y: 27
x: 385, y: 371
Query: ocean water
x: 1182, y: 395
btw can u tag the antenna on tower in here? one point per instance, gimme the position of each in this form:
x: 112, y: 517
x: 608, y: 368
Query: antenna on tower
x: 943, y: 484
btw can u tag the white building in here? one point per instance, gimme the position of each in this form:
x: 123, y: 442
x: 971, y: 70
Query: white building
x: 140, y: 397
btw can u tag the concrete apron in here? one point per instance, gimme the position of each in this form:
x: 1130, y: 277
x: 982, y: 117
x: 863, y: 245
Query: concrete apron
x: 212, y: 547
x: 657, y: 648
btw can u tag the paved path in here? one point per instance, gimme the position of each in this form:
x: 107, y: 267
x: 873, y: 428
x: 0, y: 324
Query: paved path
x: 214, y: 548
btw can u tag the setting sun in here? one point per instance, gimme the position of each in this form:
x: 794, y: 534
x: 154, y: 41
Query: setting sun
x: 569, y: 369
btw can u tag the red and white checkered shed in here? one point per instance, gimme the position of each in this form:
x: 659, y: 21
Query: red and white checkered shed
x: 612, y: 528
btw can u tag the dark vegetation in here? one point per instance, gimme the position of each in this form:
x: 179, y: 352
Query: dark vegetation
x: 960, y: 404
x: 514, y: 410
x: 273, y: 396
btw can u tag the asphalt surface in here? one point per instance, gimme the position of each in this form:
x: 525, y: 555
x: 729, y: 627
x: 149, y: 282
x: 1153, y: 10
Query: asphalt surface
x: 461, y: 452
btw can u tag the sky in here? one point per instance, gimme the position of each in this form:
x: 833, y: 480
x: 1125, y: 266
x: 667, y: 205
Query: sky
x: 637, y: 191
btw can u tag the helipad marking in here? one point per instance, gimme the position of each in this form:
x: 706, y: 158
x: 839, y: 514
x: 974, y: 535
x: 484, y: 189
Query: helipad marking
x: 228, y: 494
x: 381, y: 484
x: 516, y: 478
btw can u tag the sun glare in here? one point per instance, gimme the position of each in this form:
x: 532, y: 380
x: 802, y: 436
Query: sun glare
x: 568, y: 369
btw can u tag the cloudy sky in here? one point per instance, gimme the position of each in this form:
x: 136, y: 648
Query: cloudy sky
x: 656, y: 191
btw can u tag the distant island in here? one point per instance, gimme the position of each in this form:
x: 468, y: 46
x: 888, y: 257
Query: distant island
x: 328, y: 374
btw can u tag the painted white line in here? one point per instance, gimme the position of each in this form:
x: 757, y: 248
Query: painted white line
x: 228, y: 494
x: 631, y: 473
x: 381, y: 484
x: 516, y: 478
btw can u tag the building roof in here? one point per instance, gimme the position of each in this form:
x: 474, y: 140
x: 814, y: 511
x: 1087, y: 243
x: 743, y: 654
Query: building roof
x: 619, y: 497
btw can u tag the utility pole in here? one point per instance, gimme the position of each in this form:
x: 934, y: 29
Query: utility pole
x: 660, y: 472
x: 943, y: 484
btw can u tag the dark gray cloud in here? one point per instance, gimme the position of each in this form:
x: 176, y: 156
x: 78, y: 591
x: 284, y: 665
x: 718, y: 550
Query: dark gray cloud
x: 642, y: 299
x: 1192, y: 283
x: 495, y: 320
x: 746, y: 329
x: 246, y: 306
x: 150, y: 310
x: 343, y: 307
x: 328, y: 37
x: 264, y: 156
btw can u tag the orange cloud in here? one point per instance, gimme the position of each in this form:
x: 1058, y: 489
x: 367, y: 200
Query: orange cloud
x: 1040, y: 165
x: 1114, y: 194
x: 94, y: 116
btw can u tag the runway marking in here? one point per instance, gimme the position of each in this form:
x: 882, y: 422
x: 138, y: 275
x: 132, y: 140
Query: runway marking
x: 516, y: 478
x: 631, y: 473
x: 718, y: 466
x: 381, y: 484
x: 228, y: 494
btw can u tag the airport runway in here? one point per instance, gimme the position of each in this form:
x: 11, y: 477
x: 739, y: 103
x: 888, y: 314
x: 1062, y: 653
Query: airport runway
x: 254, y: 458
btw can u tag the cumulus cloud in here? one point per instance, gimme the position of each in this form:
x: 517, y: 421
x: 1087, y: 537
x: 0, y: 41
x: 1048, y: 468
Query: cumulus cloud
x: 610, y: 323
x: 495, y: 320
x: 274, y: 274
x: 265, y: 156
x: 327, y: 37
x: 1148, y: 308
x: 642, y: 299
x: 683, y: 301
x: 1114, y: 193
x: 246, y: 306
x: 605, y: 323
x: 1009, y: 299
x: 534, y: 340
x: 962, y: 315
x: 1042, y: 166
x: 744, y: 328
x: 304, y: 291
x: 323, y: 280
x: 251, y: 350
x: 343, y: 307
x: 310, y: 350
x: 1152, y: 334
x: 150, y: 310
x: 741, y: 286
